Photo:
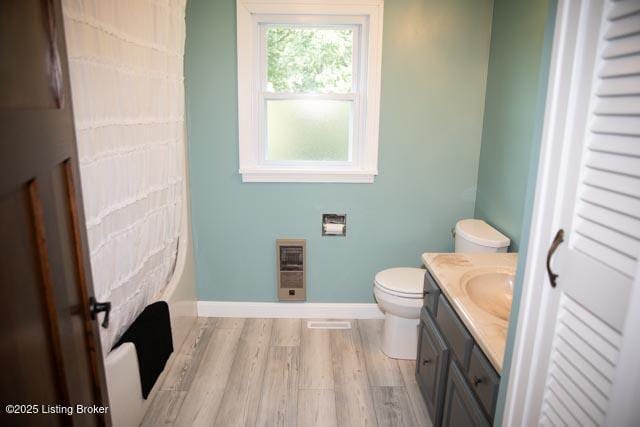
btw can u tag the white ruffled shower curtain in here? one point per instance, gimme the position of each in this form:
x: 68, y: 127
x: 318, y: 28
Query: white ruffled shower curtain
x: 126, y: 65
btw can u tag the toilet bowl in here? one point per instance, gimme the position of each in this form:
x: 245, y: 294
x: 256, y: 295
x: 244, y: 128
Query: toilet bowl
x: 398, y: 292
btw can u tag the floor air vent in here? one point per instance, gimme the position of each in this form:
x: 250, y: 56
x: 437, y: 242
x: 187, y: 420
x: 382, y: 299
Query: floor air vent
x: 328, y: 324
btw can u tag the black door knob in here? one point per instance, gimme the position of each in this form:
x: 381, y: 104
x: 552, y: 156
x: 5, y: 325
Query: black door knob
x: 96, y: 307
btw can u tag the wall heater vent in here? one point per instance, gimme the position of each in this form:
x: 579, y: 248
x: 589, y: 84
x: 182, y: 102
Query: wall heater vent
x: 291, y: 268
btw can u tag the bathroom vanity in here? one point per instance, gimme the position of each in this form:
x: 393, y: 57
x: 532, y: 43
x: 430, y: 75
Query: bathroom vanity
x: 462, y: 335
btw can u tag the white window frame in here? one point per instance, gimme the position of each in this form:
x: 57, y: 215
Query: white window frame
x: 365, y: 18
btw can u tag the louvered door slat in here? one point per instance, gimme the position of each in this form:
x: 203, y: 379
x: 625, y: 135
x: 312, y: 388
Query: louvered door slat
x: 557, y: 407
x: 619, y: 86
x: 622, y: 164
x: 621, y: 9
x: 616, y: 125
x: 544, y: 421
x: 617, y: 144
x: 620, y: 105
x: 627, y: 26
x: 552, y: 417
x: 619, y: 67
x: 622, y: 47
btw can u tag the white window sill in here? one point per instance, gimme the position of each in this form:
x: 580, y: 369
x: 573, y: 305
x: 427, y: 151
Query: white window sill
x: 279, y: 175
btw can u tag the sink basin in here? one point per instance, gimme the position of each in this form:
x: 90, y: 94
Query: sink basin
x: 491, y: 290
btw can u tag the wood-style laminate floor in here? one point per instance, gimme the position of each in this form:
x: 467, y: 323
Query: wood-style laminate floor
x: 277, y: 372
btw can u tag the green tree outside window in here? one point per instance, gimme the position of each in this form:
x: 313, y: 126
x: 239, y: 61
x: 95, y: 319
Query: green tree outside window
x: 308, y: 60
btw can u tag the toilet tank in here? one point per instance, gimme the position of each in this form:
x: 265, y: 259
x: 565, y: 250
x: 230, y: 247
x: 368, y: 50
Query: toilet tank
x: 475, y: 235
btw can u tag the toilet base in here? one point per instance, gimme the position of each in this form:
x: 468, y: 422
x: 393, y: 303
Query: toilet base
x: 400, y: 337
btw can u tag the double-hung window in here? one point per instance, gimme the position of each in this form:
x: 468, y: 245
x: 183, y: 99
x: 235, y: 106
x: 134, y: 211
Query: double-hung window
x: 309, y: 90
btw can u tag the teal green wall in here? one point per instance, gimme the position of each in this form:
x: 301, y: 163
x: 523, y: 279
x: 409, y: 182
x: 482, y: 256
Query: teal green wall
x: 435, y: 56
x: 507, y: 25
x: 510, y: 113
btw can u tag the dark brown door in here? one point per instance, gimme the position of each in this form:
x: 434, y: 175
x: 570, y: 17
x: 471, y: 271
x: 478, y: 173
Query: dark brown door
x: 49, y: 347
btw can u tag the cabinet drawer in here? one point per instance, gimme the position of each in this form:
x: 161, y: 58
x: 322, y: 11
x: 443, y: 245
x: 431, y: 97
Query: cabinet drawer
x: 454, y: 332
x: 461, y: 408
x: 431, y: 366
x: 484, y: 381
x: 431, y: 294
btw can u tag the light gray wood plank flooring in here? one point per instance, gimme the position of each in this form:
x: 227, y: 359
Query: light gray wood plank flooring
x: 277, y: 372
x: 420, y: 411
x: 279, y: 403
x: 354, y: 402
x: 317, y: 408
x: 393, y: 407
x: 242, y: 394
x: 286, y: 332
x: 316, y: 370
x: 206, y: 391
x: 383, y: 371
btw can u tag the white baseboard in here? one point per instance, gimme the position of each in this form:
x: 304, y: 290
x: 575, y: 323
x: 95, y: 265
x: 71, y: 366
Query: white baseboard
x: 306, y: 310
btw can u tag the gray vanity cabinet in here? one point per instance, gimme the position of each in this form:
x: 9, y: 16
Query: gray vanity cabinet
x: 431, y: 366
x: 461, y: 409
x: 458, y: 383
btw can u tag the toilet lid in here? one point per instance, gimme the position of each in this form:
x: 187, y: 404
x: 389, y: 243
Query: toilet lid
x: 403, y: 280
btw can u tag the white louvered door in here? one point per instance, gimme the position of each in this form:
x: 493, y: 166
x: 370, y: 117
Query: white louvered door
x: 597, y: 204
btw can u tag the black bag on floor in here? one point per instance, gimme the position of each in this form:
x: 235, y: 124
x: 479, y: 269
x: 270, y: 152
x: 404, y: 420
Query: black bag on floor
x: 150, y: 333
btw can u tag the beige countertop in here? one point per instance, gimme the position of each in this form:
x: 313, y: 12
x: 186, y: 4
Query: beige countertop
x: 449, y: 269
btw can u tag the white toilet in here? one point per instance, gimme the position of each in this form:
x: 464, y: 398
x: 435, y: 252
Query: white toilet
x: 399, y: 290
x: 399, y: 295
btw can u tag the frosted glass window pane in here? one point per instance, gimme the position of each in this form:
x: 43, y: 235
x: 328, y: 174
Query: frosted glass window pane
x: 308, y: 130
x: 307, y: 60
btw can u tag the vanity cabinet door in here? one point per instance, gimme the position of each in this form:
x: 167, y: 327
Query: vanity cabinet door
x: 484, y: 381
x: 461, y: 409
x: 431, y: 366
x: 455, y: 332
x: 431, y: 293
